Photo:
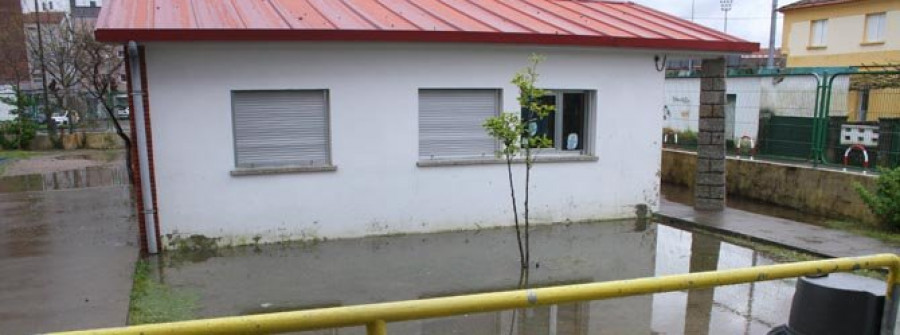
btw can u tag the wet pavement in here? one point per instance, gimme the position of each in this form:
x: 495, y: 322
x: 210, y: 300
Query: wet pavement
x: 67, y: 250
x: 269, y: 278
x: 757, y: 221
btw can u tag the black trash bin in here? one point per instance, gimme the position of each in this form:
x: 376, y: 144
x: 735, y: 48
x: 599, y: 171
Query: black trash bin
x: 838, y: 303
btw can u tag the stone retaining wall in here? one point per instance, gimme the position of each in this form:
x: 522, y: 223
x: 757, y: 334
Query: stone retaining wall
x: 80, y: 141
x: 816, y: 191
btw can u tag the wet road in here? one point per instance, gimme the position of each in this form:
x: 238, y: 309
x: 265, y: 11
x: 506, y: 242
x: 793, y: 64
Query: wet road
x: 67, y: 250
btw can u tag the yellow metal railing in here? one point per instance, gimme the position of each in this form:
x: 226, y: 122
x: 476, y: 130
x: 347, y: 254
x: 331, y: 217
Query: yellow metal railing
x: 376, y: 316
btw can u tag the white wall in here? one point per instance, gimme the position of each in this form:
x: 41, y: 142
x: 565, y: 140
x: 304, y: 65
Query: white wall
x: 6, y: 92
x: 784, y: 96
x: 683, y: 103
x: 378, y: 188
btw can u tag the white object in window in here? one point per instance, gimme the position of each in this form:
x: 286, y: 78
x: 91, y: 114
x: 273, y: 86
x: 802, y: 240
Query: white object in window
x: 818, y: 33
x: 875, y: 27
x: 281, y: 128
x: 451, y: 122
x: 567, y: 125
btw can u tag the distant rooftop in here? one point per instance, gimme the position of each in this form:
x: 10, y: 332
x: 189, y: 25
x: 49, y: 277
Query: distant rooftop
x: 45, y: 17
x: 548, y: 22
x: 813, y: 3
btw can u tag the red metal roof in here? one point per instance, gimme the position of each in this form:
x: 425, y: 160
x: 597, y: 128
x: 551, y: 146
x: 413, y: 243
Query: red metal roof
x: 552, y: 22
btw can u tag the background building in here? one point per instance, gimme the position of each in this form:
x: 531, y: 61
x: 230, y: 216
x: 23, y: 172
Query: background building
x: 820, y: 33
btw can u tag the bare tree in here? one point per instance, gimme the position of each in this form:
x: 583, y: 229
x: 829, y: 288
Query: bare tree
x: 58, y: 48
x: 97, y: 65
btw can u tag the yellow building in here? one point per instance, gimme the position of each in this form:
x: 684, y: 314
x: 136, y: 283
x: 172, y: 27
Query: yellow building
x: 859, y: 33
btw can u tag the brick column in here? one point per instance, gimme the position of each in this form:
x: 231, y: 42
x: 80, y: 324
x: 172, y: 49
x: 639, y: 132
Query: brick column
x: 709, y: 187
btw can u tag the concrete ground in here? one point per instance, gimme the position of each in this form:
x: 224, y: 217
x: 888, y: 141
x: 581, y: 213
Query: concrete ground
x: 772, y: 224
x: 67, y: 248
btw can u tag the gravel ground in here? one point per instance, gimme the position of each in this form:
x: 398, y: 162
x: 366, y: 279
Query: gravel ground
x: 62, y: 161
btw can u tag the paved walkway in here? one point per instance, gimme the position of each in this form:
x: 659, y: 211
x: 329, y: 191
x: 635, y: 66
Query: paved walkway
x: 67, y: 251
x: 791, y: 234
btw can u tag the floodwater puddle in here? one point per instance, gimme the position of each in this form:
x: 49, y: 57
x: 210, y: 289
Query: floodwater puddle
x: 92, y: 176
x: 271, y: 278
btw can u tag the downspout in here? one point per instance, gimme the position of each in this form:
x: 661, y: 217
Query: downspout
x: 137, y: 99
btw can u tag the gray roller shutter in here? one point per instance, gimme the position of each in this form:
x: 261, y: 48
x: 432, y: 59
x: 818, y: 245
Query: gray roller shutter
x: 280, y: 128
x: 450, y: 123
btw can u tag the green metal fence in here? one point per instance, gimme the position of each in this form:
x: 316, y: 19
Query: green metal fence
x: 838, y: 117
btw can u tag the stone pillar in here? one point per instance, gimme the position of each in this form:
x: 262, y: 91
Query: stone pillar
x: 709, y: 184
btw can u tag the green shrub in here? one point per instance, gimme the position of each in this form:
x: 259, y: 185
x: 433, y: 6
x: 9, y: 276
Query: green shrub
x: 17, y: 134
x: 885, y: 201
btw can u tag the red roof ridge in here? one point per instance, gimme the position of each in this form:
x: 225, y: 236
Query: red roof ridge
x: 603, y: 23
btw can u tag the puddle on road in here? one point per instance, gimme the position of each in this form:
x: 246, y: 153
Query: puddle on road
x: 269, y: 278
x: 93, y: 176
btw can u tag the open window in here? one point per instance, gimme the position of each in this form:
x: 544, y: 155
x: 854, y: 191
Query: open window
x: 568, y: 126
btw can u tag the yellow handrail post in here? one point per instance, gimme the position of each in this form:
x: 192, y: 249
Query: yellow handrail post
x: 891, y: 301
x: 378, y: 327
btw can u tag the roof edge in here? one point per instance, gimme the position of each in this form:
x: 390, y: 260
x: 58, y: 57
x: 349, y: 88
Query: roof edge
x: 804, y: 4
x: 271, y: 35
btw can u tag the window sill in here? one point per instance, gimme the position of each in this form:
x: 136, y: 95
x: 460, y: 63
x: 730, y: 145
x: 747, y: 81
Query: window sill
x: 488, y: 161
x: 866, y: 44
x: 816, y: 47
x: 281, y: 170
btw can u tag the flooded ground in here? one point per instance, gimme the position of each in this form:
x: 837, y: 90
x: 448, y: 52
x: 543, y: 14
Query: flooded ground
x: 67, y: 249
x: 249, y: 280
x: 61, y: 161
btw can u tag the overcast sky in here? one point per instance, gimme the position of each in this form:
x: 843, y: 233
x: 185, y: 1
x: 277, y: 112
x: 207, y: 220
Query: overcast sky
x: 748, y: 19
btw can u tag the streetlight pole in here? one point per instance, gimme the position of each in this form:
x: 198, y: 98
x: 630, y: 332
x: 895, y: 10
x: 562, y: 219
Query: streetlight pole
x: 691, y: 60
x: 726, y: 7
x: 770, y: 63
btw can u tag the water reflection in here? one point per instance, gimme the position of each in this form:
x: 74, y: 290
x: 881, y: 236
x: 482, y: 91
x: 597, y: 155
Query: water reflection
x: 94, y: 176
x: 348, y: 272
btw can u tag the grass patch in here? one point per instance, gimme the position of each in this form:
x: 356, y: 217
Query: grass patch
x: 783, y: 255
x: 154, y: 302
x: 866, y: 230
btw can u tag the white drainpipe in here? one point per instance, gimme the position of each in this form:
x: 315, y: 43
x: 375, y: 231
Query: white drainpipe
x: 137, y: 99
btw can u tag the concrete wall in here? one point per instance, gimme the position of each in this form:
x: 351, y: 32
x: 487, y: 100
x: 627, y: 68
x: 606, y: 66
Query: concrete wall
x: 378, y: 188
x: 80, y: 141
x: 822, y: 192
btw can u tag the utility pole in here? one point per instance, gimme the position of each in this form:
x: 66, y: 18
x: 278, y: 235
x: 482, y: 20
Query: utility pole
x: 37, y: 18
x: 691, y: 60
x: 770, y: 63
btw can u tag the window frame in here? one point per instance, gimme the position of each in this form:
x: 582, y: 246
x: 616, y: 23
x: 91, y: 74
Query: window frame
x: 812, y: 34
x: 239, y: 170
x: 883, y: 22
x: 498, y: 110
x: 589, y: 117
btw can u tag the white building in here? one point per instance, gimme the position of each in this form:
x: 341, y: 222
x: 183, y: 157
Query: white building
x: 360, y: 119
x: 6, y: 91
x: 747, y: 97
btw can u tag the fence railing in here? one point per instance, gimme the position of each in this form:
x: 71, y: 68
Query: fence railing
x: 376, y: 316
x: 812, y: 117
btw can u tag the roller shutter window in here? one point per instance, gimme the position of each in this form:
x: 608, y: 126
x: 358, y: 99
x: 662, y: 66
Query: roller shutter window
x: 281, y: 128
x: 450, y: 123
